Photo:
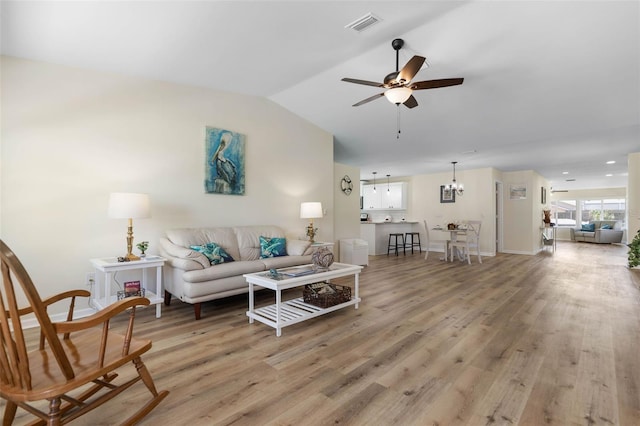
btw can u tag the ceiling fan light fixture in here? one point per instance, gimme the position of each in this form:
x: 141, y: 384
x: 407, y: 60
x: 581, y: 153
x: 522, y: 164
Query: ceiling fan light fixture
x: 398, y: 95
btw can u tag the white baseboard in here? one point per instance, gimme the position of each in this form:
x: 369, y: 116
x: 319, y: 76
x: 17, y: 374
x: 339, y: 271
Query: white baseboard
x: 81, y: 313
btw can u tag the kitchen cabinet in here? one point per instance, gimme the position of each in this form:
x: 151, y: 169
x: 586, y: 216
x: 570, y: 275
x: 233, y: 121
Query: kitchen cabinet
x: 391, y: 197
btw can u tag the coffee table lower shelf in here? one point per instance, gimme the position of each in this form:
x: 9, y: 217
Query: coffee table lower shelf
x: 293, y: 311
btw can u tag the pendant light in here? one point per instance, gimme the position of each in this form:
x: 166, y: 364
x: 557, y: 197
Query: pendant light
x: 388, y: 190
x: 374, y: 181
x: 454, y: 185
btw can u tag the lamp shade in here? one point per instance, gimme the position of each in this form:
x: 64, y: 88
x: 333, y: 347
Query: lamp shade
x: 126, y: 205
x: 311, y: 210
x: 398, y: 95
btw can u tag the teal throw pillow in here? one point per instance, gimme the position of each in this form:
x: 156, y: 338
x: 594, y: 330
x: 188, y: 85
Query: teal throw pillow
x: 606, y: 226
x: 589, y: 227
x: 272, y: 247
x: 214, y: 253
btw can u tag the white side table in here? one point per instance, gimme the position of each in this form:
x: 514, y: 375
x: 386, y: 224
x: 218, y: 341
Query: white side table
x: 107, y: 266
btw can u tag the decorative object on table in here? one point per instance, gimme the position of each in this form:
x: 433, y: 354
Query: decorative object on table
x: 143, y: 246
x: 346, y: 185
x: 547, y: 216
x: 131, y: 289
x: 634, y: 251
x: 451, y: 226
x: 322, y: 258
x: 311, y: 210
x: 325, y: 295
x: 124, y: 205
x: 447, y: 195
x: 455, y: 187
x: 517, y: 191
x: 225, y: 162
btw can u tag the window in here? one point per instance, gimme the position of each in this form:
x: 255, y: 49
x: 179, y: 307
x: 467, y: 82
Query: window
x: 607, y: 209
x: 564, y: 212
x: 572, y: 213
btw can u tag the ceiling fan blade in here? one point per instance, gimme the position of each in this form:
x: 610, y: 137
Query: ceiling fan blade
x: 410, y: 69
x: 369, y: 99
x: 434, y: 84
x: 411, y: 102
x: 365, y: 82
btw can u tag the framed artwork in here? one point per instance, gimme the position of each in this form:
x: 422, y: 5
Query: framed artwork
x: 518, y: 191
x: 224, y: 162
x: 543, y: 195
x: 447, y: 195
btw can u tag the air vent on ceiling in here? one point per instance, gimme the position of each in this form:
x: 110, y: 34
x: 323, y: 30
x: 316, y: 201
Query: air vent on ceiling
x: 570, y: 180
x: 363, y: 23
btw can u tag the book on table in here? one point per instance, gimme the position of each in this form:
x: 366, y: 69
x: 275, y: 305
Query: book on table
x: 132, y: 288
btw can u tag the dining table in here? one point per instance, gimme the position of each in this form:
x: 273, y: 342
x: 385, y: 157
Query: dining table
x: 454, y: 232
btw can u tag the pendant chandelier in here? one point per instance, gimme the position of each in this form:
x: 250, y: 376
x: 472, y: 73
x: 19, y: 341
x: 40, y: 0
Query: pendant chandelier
x: 454, y: 185
x: 374, y: 181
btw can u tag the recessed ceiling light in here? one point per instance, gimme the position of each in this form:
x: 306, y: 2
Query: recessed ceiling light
x: 608, y: 175
x: 611, y: 162
x: 565, y: 173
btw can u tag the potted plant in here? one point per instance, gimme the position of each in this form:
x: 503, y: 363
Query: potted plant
x: 634, y: 251
x: 143, y: 246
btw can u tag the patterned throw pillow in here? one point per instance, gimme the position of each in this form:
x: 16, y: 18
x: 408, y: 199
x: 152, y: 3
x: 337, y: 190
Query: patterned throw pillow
x: 214, y: 253
x: 589, y: 227
x: 272, y: 247
x: 606, y: 226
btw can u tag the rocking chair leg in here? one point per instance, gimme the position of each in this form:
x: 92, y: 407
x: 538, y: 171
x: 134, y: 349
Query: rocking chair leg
x: 148, y: 381
x: 54, y: 412
x: 9, y: 413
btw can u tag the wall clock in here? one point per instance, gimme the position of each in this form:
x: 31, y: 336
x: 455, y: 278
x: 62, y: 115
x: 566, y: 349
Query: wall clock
x: 346, y: 185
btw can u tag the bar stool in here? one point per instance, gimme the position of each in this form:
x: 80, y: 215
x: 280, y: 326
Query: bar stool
x: 396, y: 245
x: 413, y: 242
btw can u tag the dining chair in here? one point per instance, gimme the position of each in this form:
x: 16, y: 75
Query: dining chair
x: 469, y: 243
x: 73, y: 368
x: 445, y: 243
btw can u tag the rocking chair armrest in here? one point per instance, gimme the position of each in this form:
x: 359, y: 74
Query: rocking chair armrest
x: 102, y: 316
x: 56, y: 298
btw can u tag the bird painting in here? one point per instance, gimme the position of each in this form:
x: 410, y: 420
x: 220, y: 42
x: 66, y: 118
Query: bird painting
x: 225, y: 162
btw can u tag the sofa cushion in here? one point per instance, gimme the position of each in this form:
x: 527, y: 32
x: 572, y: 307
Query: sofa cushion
x: 606, y: 226
x: 588, y: 227
x: 224, y: 270
x: 224, y: 237
x: 272, y: 247
x: 248, y: 239
x: 297, y: 247
x: 214, y: 253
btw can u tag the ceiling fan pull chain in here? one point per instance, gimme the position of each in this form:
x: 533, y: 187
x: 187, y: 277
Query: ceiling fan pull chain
x: 398, y: 135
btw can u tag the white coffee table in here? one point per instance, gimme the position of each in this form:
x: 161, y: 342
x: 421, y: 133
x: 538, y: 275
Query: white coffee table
x: 282, y: 314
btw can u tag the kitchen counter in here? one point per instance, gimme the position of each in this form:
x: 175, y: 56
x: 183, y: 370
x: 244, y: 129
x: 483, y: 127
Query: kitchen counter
x: 377, y: 233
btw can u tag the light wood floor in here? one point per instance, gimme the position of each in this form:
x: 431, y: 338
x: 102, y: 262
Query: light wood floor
x: 529, y: 340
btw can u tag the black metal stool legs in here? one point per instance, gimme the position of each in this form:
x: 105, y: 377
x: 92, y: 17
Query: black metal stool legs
x: 396, y: 244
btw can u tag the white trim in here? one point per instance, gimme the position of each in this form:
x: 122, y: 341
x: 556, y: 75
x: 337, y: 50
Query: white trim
x: 33, y: 322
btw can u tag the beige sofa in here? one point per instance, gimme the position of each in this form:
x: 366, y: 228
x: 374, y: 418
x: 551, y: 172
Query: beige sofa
x: 599, y: 235
x: 190, y: 276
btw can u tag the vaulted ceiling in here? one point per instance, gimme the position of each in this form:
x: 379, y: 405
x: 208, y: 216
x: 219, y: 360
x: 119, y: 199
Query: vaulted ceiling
x: 548, y: 86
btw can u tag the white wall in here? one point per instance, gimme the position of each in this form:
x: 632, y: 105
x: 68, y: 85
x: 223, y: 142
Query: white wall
x: 70, y: 137
x: 477, y: 203
x: 346, y: 207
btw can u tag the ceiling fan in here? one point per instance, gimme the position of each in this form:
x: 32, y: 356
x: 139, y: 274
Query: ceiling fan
x: 398, y: 85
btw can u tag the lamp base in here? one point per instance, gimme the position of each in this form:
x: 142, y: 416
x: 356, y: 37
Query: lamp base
x: 131, y: 256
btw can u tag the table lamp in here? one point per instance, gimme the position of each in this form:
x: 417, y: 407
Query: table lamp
x: 310, y: 211
x: 124, y: 205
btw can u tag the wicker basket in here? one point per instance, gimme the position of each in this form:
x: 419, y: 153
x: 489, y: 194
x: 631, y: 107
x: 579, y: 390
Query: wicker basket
x: 325, y: 295
x: 122, y: 294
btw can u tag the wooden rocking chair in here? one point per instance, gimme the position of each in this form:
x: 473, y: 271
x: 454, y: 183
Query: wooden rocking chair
x: 76, y: 357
